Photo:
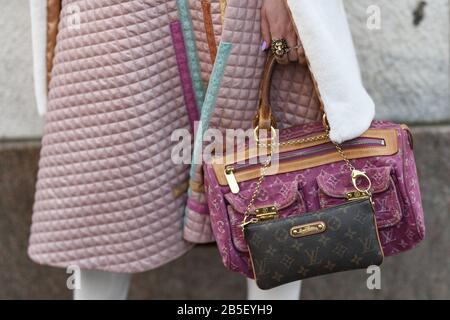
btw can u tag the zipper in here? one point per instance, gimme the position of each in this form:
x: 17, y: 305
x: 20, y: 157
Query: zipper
x: 231, y: 169
x: 231, y: 179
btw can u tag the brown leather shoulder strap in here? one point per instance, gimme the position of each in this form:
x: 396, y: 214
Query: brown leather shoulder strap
x: 264, y: 118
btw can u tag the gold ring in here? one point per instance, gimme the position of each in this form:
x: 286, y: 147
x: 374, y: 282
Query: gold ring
x: 279, y: 47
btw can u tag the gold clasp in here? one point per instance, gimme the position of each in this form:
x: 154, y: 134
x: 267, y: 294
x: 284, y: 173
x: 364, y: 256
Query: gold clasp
x: 246, y: 222
x: 261, y: 214
x: 266, y: 213
x: 308, y: 229
x: 273, y: 133
x: 361, y: 174
x: 325, y: 123
x: 359, y: 193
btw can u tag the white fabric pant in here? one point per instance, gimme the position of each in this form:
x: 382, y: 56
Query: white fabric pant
x: 102, y: 285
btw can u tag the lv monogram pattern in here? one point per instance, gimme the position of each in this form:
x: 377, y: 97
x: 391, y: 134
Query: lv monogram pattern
x: 284, y: 195
x: 398, y: 207
x: 349, y: 242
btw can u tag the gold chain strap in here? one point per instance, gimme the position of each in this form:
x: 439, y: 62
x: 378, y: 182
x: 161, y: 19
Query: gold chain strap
x: 266, y: 165
x: 344, y: 157
x: 354, y: 173
x: 264, y: 168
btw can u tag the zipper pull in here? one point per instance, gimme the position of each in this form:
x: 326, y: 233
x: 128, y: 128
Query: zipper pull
x: 231, y: 179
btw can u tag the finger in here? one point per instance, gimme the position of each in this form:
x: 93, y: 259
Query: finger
x: 283, y: 59
x: 265, y: 31
x: 301, y: 54
x: 291, y: 39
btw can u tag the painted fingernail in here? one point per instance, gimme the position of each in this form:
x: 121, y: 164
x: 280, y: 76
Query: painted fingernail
x: 263, y: 46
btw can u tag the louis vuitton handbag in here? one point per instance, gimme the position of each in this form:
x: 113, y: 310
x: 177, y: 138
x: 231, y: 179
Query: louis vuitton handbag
x: 320, y: 207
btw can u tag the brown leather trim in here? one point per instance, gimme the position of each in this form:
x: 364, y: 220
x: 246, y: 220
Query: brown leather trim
x: 223, y: 7
x: 209, y: 28
x: 390, y: 148
x: 196, y: 186
x: 180, y: 189
x: 53, y: 11
x: 264, y: 118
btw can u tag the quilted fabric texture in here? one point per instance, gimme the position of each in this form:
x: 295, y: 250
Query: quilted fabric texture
x: 206, y: 18
x: 232, y: 96
x: 106, y: 193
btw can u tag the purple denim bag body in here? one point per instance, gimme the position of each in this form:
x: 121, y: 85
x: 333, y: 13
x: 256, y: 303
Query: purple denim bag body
x: 395, y: 190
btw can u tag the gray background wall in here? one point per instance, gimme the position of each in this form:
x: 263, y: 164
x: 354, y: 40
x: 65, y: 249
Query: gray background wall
x: 19, y: 118
x: 404, y: 67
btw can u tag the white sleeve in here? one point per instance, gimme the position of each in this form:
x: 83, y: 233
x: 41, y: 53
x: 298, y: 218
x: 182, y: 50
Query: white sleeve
x: 325, y: 35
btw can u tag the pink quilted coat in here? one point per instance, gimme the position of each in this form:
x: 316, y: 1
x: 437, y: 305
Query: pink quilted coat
x: 108, y: 196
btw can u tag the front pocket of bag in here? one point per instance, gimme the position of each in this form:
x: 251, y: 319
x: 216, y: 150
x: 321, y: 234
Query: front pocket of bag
x: 286, y: 196
x: 333, y: 188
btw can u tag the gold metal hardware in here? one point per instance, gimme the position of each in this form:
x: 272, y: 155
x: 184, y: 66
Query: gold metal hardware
x: 246, y: 222
x: 273, y: 134
x: 264, y: 168
x: 357, y: 195
x: 231, y: 179
x: 325, y: 123
x: 266, y: 213
x: 308, y: 229
x: 261, y: 214
x: 356, y: 174
x: 279, y: 47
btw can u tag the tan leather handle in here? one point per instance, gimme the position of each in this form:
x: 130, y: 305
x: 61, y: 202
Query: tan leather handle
x: 264, y: 118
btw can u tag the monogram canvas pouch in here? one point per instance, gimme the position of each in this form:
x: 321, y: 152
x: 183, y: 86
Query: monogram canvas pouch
x: 331, y: 240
